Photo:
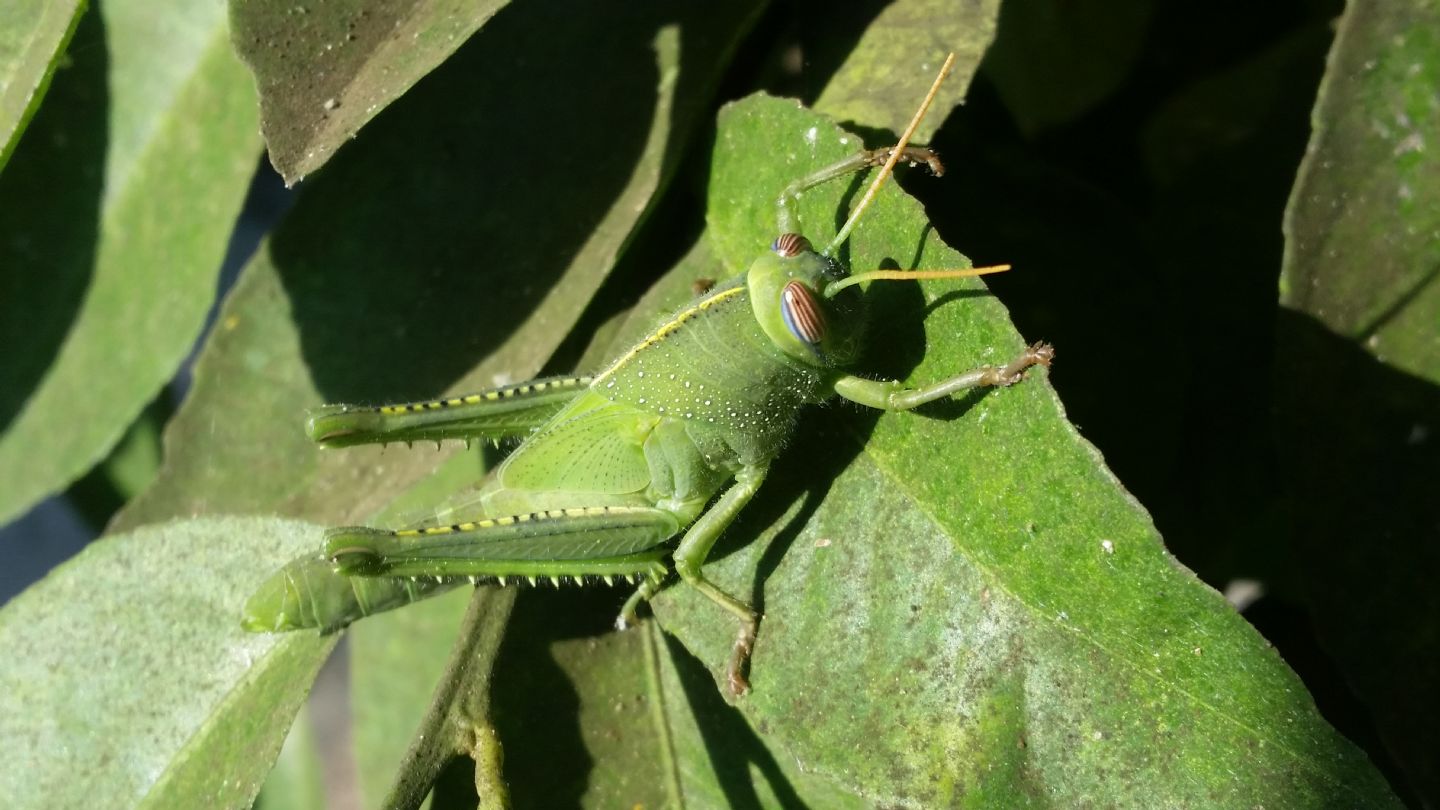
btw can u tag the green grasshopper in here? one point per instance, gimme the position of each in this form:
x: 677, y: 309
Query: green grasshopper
x: 613, y: 467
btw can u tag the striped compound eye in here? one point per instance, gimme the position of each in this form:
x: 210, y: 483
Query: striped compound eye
x: 790, y: 244
x: 802, y: 313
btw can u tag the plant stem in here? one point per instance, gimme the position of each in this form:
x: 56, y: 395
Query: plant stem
x: 457, y: 721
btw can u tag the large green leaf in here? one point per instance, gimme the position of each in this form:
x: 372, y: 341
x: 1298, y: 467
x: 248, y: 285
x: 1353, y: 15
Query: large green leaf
x: 128, y: 665
x: 1360, y: 352
x: 33, y: 34
x: 108, y: 278
x: 962, y: 604
x: 324, y: 70
x: 1366, y: 194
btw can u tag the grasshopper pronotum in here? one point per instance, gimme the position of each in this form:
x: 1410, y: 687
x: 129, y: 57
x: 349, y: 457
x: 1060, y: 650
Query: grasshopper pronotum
x: 614, y: 466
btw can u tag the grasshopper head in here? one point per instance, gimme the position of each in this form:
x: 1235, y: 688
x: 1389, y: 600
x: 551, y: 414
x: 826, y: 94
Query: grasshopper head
x: 787, y: 291
x: 812, y: 309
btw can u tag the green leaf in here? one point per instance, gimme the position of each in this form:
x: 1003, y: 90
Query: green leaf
x: 1365, y: 197
x: 888, y: 70
x: 961, y: 604
x: 325, y: 69
x: 128, y: 665
x: 109, y: 279
x: 1359, y: 371
x: 33, y: 35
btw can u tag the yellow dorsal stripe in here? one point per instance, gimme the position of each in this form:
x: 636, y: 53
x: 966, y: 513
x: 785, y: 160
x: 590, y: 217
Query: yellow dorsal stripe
x: 506, y: 520
x: 670, y: 326
x: 491, y: 395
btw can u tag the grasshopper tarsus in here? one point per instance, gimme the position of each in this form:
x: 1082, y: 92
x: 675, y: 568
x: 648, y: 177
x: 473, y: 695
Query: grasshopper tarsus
x: 913, y: 155
x: 738, y: 666
x: 1036, y: 354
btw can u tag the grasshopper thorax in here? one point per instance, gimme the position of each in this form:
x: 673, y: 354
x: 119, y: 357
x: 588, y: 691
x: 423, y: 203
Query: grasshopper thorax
x: 787, y: 291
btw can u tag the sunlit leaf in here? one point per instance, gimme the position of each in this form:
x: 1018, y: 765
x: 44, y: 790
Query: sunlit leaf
x: 128, y: 664
x: 108, y: 275
x: 33, y: 34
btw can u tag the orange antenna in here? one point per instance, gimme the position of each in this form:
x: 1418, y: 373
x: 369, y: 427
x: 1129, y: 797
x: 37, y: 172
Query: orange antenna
x: 889, y: 167
x: 912, y: 275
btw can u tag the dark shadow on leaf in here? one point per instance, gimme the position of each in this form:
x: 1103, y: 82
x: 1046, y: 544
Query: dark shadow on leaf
x: 676, y: 220
x: 797, y: 48
x: 806, y: 470
x: 733, y: 747
x: 925, y: 234
x: 952, y: 408
x: 50, y: 194
x: 442, y: 259
x: 1402, y: 302
x: 1360, y: 459
x: 953, y: 296
x: 97, y: 495
x: 535, y: 706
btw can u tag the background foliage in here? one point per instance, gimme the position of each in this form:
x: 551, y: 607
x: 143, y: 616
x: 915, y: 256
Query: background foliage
x: 1226, y: 217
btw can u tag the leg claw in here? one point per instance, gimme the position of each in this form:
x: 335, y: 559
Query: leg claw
x: 735, y: 679
x: 1036, y: 354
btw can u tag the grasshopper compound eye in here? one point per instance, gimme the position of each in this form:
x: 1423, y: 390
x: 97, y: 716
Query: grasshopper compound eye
x: 802, y: 313
x: 790, y: 244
